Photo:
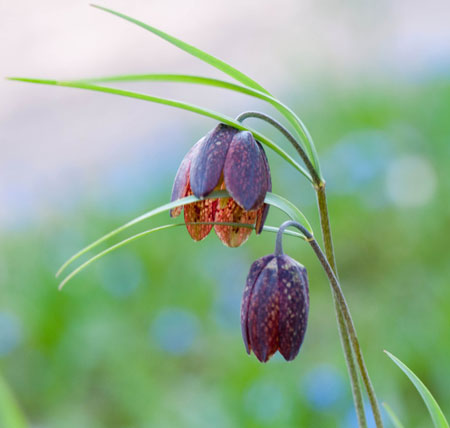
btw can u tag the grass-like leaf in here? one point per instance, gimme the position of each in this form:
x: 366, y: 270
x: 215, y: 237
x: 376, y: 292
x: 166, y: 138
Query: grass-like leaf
x: 236, y: 74
x: 11, y: 415
x: 289, y: 208
x: 293, y: 119
x: 392, y: 416
x: 198, y: 53
x: 283, y: 204
x: 433, y: 407
x: 158, y: 210
x: 173, y: 103
x: 157, y: 229
x: 199, y: 80
x: 112, y: 248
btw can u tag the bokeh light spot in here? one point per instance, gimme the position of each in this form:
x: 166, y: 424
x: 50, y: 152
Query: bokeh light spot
x: 10, y: 333
x: 351, y: 420
x: 174, y: 330
x: 121, y: 274
x: 410, y: 181
x: 324, y: 387
x: 265, y: 401
x: 356, y: 161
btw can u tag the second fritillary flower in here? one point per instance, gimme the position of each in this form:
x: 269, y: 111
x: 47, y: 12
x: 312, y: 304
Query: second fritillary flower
x: 275, y: 307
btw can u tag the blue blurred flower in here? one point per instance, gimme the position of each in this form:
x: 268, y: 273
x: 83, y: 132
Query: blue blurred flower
x: 351, y: 420
x: 132, y: 179
x: 323, y: 387
x: 174, y: 330
x: 10, y: 333
x: 357, y: 163
x: 227, y: 306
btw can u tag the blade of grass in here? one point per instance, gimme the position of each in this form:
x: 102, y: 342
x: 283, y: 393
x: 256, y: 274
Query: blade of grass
x: 112, y: 248
x: 198, y: 53
x: 289, y: 208
x: 283, y: 204
x: 235, y: 74
x: 294, y: 120
x: 10, y: 414
x: 393, y: 417
x: 157, y: 229
x: 433, y: 407
x: 158, y: 210
x: 173, y: 103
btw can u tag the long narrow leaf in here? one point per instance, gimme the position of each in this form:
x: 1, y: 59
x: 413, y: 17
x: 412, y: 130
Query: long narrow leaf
x: 112, y: 248
x: 201, y: 80
x: 173, y: 103
x: 433, y: 407
x: 233, y: 72
x: 209, y: 59
x: 160, y: 209
x: 281, y: 203
x: 393, y: 417
x: 189, y: 78
x: 289, y: 208
x: 10, y: 414
x: 157, y: 229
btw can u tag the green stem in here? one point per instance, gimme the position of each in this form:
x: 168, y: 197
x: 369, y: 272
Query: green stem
x: 351, y: 366
x: 258, y: 115
x: 343, y: 314
x: 318, y: 185
x: 343, y: 333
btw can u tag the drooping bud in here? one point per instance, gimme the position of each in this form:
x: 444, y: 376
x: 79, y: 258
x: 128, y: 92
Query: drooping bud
x: 275, y: 306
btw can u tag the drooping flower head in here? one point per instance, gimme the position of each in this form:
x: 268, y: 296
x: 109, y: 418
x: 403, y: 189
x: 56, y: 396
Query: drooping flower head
x: 225, y: 159
x: 275, y: 307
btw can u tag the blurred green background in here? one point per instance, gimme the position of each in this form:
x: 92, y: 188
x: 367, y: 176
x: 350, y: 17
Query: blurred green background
x: 150, y: 335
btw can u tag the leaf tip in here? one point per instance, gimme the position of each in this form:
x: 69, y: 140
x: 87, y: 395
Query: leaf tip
x: 97, y: 6
x: 15, y: 79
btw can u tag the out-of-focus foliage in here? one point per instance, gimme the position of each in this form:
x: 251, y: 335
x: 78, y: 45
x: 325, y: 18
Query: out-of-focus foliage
x: 150, y: 336
x: 439, y: 420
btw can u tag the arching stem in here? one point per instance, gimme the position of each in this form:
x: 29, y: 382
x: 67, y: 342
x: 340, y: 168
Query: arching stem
x: 344, y: 309
x: 343, y: 333
x: 319, y: 186
x: 297, y: 146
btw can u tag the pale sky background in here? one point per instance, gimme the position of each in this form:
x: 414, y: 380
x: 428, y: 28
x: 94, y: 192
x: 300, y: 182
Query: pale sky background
x: 53, y: 139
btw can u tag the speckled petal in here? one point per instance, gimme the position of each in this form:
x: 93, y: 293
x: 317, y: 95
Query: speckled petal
x: 207, y: 164
x: 263, y: 313
x: 261, y: 216
x: 262, y: 212
x: 202, y: 211
x: 245, y: 172
x: 294, y: 305
x: 230, y: 212
x: 181, y: 182
x: 252, y: 277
